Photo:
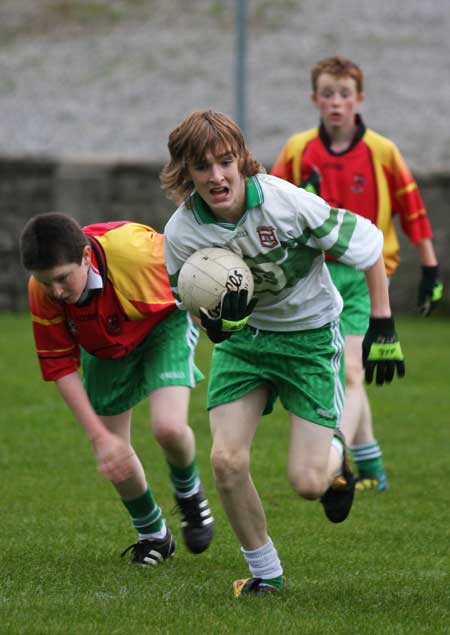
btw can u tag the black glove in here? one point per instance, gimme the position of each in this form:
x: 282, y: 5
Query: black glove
x: 381, y: 351
x: 312, y: 184
x: 430, y: 290
x: 233, y: 316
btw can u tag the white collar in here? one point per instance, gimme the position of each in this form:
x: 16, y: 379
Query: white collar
x: 94, y: 279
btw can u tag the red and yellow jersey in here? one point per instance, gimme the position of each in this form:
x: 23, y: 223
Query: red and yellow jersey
x: 134, y: 297
x: 371, y: 179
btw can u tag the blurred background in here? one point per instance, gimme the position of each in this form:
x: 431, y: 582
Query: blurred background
x: 90, y: 89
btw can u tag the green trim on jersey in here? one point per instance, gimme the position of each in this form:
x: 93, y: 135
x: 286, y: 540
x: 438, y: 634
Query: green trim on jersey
x: 345, y: 235
x: 253, y: 197
x: 282, y: 267
x: 345, y: 232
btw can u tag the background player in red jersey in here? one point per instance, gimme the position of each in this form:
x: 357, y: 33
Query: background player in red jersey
x: 100, y: 298
x: 352, y: 167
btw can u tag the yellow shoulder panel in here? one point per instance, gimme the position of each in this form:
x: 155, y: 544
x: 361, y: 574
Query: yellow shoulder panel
x: 294, y: 150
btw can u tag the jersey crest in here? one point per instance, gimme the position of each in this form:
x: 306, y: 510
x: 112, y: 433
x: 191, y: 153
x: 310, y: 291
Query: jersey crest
x: 359, y: 181
x: 267, y: 236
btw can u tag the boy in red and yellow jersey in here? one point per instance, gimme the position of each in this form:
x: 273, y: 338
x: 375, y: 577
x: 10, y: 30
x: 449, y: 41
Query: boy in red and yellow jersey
x: 353, y: 167
x: 100, y: 298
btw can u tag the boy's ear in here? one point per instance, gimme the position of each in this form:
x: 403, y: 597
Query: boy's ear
x: 87, y: 255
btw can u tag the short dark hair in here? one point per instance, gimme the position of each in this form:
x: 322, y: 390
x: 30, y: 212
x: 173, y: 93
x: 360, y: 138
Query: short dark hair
x: 50, y: 240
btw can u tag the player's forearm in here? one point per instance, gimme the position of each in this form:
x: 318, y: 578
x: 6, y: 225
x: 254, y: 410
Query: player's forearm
x: 378, y: 290
x: 427, y: 255
x: 72, y: 391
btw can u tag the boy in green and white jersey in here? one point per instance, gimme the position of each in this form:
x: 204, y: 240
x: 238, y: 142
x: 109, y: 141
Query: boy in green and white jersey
x: 286, y: 342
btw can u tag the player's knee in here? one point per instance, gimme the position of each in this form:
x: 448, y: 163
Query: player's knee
x: 354, y: 374
x: 169, y: 433
x: 307, y: 483
x: 229, y: 467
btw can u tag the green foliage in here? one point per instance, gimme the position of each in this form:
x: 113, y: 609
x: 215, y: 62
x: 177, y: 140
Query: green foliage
x: 385, y: 570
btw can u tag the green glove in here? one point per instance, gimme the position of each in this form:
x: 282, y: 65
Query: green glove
x: 382, y: 351
x: 233, y: 317
x: 312, y: 184
x: 430, y: 290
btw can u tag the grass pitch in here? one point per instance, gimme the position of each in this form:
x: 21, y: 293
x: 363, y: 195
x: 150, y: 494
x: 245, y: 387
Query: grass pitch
x: 386, y: 570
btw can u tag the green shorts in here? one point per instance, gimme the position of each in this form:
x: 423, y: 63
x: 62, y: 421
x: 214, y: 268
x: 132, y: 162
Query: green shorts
x: 303, y: 368
x: 165, y: 358
x: 352, y: 286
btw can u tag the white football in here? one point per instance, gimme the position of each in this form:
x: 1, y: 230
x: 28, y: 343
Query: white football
x: 207, y: 274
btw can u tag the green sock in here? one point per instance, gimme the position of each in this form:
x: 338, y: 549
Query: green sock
x: 278, y: 581
x: 185, y: 480
x: 372, y: 468
x: 368, y: 458
x: 146, y: 515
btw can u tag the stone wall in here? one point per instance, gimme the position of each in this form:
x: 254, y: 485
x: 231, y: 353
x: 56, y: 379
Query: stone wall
x: 94, y: 191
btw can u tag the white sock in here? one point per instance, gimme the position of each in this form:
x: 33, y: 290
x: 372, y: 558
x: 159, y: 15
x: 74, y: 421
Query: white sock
x: 159, y: 535
x: 337, y: 444
x: 264, y: 561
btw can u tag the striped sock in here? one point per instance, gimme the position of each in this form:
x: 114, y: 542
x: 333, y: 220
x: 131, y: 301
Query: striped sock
x: 368, y: 458
x: 185, y: 480
x: 146, y: 515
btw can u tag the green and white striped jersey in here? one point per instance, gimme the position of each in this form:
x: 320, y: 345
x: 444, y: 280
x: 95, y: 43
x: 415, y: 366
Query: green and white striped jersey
x: 282, y: 236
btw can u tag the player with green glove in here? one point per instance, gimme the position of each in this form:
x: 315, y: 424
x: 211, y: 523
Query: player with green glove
x: 353, y: 167
x: 289, y: 344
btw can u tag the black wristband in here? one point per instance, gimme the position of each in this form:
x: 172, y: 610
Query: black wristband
x: 217, y: 336
x: 430, y: 274
x: 384, y: 326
